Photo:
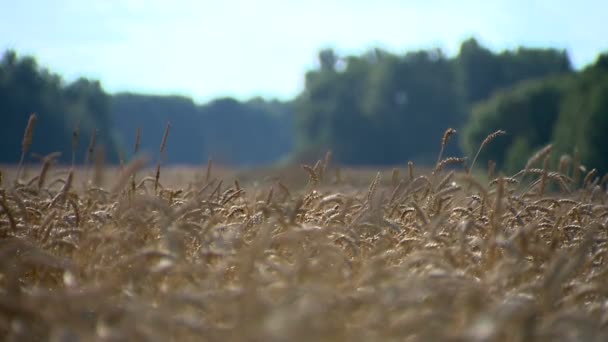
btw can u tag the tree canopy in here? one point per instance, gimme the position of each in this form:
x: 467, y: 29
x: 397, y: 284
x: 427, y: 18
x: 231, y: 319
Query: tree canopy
x: 568, y: 111
x: 378, y: 107
x: 526, y: 112
x: 226, y: 130
x: 383, y: 108
x: 583, y: 117
x: 61, y: 108
x: 238, y: 133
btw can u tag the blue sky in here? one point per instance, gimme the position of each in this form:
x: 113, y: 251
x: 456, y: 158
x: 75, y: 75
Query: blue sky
x: 240, y: 48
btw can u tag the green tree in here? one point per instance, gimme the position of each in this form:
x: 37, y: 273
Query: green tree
x: 482, y: 72
x: 229, y: 131
x: 517, y: 154
x: 527, y: 112
x: 381, y: 108
x: 479, y: 71
x: 26, y: 88
x: 583, y: 118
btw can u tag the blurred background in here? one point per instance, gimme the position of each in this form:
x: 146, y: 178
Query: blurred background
x: 251, y: 83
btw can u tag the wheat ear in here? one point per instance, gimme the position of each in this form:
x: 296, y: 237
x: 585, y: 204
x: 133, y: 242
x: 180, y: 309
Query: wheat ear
x: 486, y: 141
x: 444, y: 141
x: 28, y: 137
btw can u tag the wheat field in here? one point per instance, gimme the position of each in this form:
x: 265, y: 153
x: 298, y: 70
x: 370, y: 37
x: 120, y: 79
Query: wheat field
x: 311, y: 253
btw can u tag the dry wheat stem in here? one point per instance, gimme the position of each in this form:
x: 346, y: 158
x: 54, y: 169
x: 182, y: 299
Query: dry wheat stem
x: 485, y: 142
x: 75, y: 135
x: 28, y: 137
x: 444, y: 141
x: 134, y: 166
x: 312, y: 175
x: 137, y: 141
x: 91, y: 148
x: 410, y: 170
x: 209, y: 167
x: 163, y: 143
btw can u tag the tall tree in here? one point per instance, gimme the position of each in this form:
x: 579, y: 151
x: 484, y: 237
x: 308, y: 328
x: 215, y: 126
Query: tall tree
x: 583, y: 119
x: 26, y: 88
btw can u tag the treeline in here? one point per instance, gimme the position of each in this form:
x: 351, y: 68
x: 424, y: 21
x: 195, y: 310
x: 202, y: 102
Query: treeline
x: 569, y: 111
x: 375, y: 108
x: 61, y: 108
x: 383, y: 108
x: 226, y: 130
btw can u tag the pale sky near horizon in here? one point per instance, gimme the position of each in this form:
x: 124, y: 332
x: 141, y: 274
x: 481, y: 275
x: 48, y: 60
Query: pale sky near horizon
x: 240, y: 48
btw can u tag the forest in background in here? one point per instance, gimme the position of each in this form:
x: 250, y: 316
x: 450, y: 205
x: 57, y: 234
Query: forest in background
x: 377, y: 108
x: 231, y: 132
x: 226, y: 130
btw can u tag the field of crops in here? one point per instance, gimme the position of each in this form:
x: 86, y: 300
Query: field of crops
x: 311, y: 253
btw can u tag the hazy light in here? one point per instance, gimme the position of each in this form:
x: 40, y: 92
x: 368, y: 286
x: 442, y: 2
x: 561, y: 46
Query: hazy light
x: 245, y: 48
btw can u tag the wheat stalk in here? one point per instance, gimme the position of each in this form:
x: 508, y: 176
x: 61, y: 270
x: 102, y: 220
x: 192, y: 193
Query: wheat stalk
x: 75, y: 135
x: 543, y: 179
x: 46, y: 165
x: 395, y: 177
x: 137, y: 141
x: 131, y: 168
x: 485, y: 142
x: 28, y: 137
x: 163, y: 145
x: 410, y: 170
x: 91, y: 148
x: 372, y: 188
x: 448, y: 161
x: 135, y: 151
x: 9, y: 214
x: 541, y: 154
x: 444, y: 141
x: 589, y: 177
x: 312, y: 175
x: 209, y: 167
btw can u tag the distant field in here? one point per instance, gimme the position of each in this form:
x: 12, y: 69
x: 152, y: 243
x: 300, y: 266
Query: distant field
x: 300, y: 254
x: 175, y: 176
